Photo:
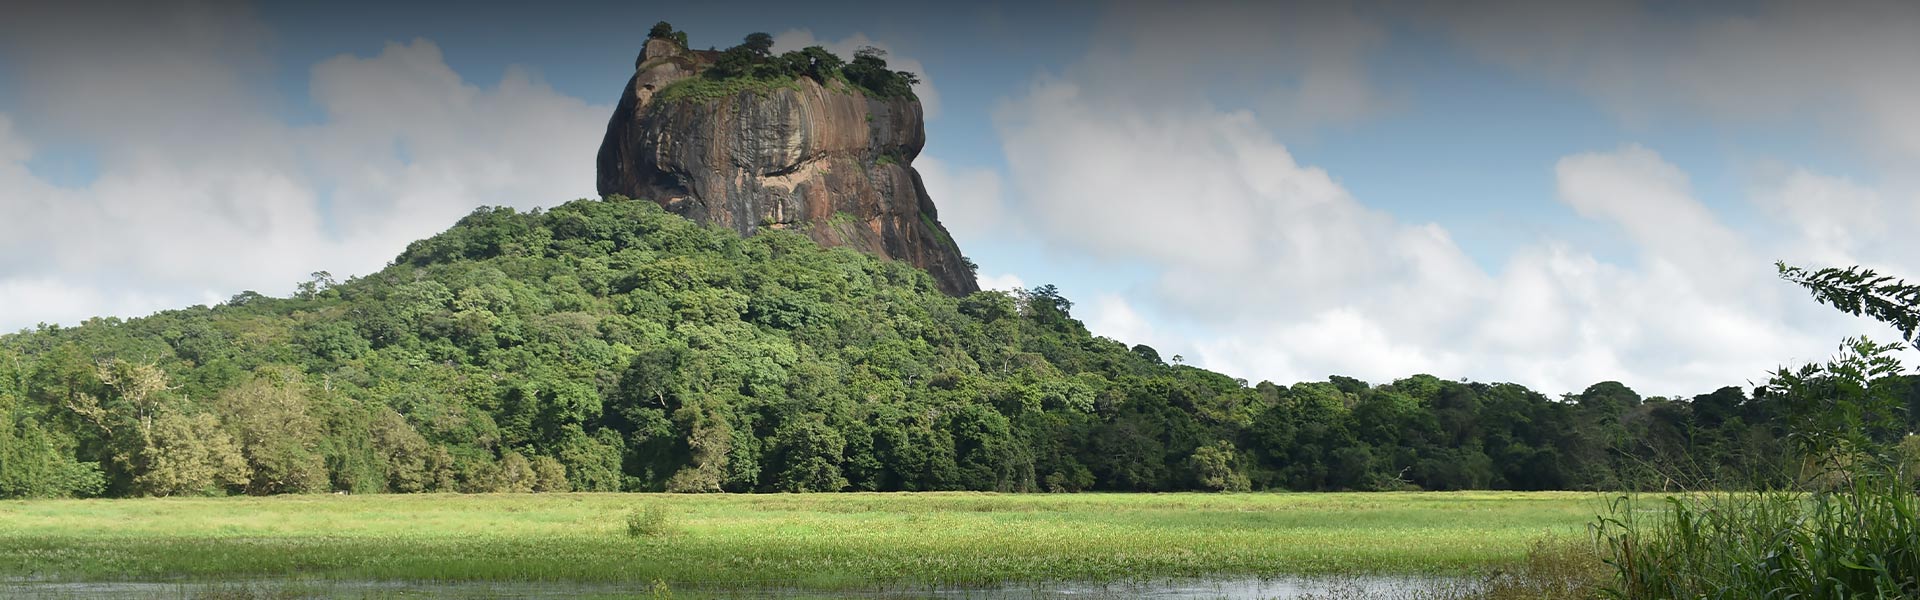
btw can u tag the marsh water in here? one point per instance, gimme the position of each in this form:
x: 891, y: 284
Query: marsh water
x: 1182, y: 589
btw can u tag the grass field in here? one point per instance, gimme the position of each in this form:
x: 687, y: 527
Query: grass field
x: 817, y: 541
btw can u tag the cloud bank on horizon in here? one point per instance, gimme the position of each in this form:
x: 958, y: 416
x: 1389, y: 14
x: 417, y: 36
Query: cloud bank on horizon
x: 1161, y: 154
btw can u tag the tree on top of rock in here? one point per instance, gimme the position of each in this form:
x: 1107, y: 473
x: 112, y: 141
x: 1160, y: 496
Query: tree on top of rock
x: 664, y: 31
x: 869, y: 71
x: 759, y: 43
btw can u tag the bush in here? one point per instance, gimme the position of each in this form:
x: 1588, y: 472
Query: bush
x: 549, y: 475
x: 651, y: 521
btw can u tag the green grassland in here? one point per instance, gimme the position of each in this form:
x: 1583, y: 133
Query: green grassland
x: 813, y: 541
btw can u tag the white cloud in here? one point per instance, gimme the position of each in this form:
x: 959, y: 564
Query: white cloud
x: 972, y: 204
x: 1652, y: 202
x: 1270, y: 269
x: 1341, y: 341
x: 795, y: 39
x: 55, y: 301
x: 1246, y: 238
x: 204, y: 191
x: 1211, y: 198
x: 1002, y: 282
x: 1681, y: 319
x: 408, y: 143
x: 1111, y: 315
x: 1837, y: 221
x: 1845, y: 69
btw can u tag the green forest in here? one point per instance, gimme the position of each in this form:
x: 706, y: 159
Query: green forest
x: 607, y: 345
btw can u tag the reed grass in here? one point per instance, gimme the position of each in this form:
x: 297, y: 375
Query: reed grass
x: 1861, y: 540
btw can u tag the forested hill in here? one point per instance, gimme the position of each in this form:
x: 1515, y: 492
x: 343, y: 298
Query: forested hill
x: 608, y: 345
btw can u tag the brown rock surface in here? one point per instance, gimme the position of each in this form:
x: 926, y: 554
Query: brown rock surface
x: 827, y: 160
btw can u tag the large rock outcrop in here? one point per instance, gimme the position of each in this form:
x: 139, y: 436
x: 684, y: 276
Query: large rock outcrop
x: 826, y: 160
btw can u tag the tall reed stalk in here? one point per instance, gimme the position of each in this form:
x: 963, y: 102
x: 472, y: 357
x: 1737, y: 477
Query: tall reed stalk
x: 1859, y: 541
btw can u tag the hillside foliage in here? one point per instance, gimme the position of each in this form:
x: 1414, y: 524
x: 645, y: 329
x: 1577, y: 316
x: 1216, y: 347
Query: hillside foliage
x: 607, y: 345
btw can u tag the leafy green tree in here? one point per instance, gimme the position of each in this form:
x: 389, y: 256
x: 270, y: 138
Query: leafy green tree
x: 869, y: 71
x: 592, y: 462
x: 815, y: 62
x: 272, y: 420
x: 1214, y: 467
x: 334, y: 340
x: 36, y: 461
x: 187, y: 455
x: 660, y: 30
x: 155, y: 446
x: 404, y: 452
x: 808, y: 454
x: 760, y: 44
x: 549, y: 475
x: 709, y: 440
x: 517, y: 474
x: 986, y: 453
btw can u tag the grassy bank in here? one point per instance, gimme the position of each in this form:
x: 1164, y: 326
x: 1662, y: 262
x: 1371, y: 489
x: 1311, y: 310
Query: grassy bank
x: 811, y: 541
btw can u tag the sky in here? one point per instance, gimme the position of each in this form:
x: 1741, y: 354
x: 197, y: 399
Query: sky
x: 1552, y: 194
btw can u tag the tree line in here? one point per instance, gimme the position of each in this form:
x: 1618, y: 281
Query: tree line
x: 607, y: 345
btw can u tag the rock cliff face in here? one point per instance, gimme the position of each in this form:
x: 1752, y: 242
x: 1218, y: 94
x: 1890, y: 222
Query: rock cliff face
x: 826, y: 160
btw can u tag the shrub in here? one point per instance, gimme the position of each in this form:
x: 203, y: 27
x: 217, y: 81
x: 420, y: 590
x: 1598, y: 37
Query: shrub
x: 650, y: 521
x: 549, y: 475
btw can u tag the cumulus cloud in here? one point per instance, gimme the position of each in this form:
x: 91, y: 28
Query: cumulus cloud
x: 204, y: 190
x: 971, y: 201
x: 1652, y: 202
x: 1838, y: 221
x: 1245, y: 238
x: 1111, y: 315
x: 1268, y: 268
x: 795, y: 39
x: 1682, y: 318
x: 1212, y: 197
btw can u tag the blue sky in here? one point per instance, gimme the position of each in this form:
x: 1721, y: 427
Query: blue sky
x: 1551, y: 194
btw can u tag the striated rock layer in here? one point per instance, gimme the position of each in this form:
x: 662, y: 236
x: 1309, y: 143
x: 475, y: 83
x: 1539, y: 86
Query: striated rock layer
x: 825, y: 160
